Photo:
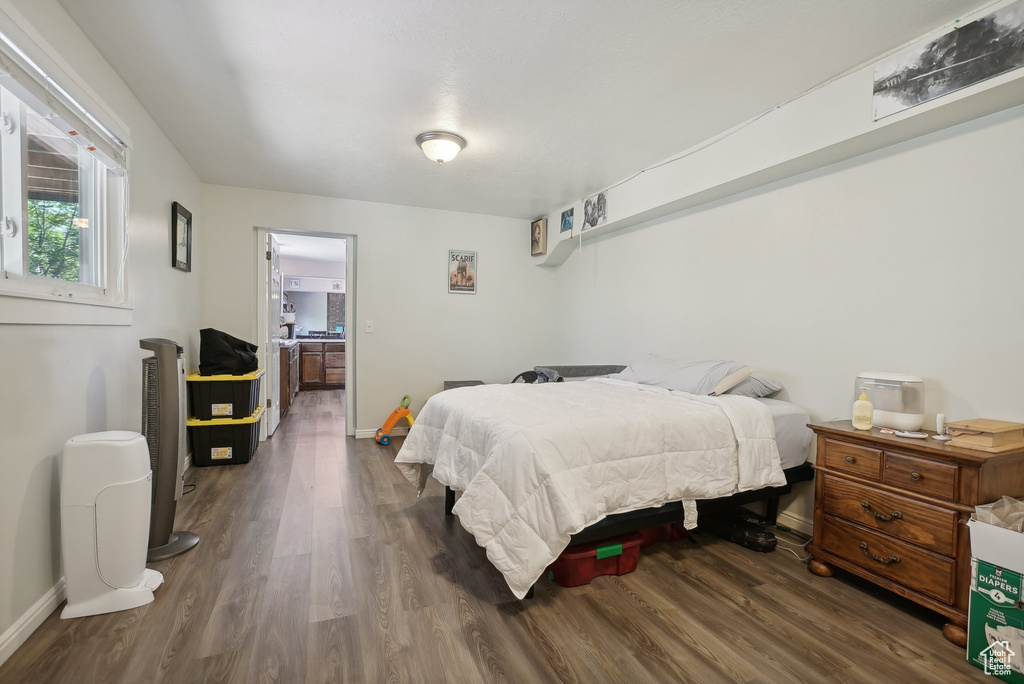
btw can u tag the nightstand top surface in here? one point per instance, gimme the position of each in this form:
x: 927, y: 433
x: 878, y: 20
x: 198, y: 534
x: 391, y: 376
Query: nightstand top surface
x: 843, y: 429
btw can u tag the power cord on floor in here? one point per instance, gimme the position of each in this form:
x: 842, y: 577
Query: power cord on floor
x: 187, y: 488
x: 783, y: 545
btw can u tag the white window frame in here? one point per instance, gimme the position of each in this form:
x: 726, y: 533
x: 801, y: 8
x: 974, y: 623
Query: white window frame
x: 30, y: 77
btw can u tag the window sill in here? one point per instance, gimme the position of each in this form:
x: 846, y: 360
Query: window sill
x: 29, y: 310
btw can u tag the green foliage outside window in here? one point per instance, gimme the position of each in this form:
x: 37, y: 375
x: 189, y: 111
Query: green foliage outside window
x: 53, y: 239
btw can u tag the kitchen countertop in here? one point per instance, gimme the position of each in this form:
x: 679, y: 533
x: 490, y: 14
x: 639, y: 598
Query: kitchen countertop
x: 328, y: 340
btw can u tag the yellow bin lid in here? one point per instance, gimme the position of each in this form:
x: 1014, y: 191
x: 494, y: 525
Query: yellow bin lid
x: 195, y: 422
x: 196, y: 377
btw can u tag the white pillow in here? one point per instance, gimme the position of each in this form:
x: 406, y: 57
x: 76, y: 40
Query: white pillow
x: 730, y: 381
x: 756, y: 386
x: 695, y: 377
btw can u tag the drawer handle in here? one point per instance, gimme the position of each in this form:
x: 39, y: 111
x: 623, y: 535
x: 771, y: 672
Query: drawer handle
x: 915, y: 476
x: 849, y: 459
x: 878, y: 559
x: 895, y: 515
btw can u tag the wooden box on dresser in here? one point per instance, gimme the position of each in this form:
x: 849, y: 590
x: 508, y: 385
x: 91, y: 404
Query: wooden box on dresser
x: 894, y: 511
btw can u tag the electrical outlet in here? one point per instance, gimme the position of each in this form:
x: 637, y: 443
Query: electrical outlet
x: 369, y: 327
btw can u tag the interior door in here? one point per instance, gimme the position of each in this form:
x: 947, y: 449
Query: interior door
x: 273, y: 340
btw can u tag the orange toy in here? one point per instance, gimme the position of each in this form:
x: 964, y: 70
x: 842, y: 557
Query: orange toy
x: 383, y: 435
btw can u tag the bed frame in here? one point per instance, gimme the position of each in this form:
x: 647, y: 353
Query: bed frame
x: 672, y: 512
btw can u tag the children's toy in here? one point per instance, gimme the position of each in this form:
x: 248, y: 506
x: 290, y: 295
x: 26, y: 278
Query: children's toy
x: 383, y: 435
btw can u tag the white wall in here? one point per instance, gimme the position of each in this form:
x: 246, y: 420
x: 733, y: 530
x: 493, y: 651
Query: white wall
x: 423, y: 335
x: 310, y: 310
x: 313, y: 268
x: 904, y: 260
x: 61, y: 381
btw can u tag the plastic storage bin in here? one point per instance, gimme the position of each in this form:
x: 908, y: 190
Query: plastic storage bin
x: 224, y: 396
x: 669, y: 533
x: 223, y: 441
x: 578, y: 565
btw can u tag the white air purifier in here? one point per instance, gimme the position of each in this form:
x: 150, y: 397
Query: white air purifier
x: 105, y: 494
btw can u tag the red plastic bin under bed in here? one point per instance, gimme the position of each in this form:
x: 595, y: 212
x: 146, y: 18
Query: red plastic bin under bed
x: 578, y: 565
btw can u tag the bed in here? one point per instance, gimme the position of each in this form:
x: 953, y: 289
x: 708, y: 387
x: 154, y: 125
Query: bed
x: 544, y: 466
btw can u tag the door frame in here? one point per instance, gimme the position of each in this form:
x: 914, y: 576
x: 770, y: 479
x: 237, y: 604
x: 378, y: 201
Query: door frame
x: 260, y: 304
x: 273, y: 344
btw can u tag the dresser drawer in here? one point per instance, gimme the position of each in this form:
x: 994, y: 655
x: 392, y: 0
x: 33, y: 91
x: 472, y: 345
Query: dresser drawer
x: 853, y: 459
x: 920, y: 475
x: 913, y: 521
x: 912, y: 567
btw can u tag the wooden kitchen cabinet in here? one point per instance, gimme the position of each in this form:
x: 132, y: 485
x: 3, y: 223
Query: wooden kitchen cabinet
x: 334, y: 364
x: 894, y: 511
x: 289, y: 377
x: 312, y: 363
x: 293, y: 374
x: 323, y: 365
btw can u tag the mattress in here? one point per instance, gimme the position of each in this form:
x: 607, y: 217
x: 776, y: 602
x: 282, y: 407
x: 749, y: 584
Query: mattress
x: 792, y: 435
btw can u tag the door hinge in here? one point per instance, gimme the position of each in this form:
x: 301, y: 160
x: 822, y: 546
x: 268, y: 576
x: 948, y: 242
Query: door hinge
x: 269, y: 403
x: 268, y: 255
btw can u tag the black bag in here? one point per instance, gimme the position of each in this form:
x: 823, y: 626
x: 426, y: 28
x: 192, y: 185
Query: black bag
x: 529, y: 377
x: 222, y: 354
x: 538, y: 375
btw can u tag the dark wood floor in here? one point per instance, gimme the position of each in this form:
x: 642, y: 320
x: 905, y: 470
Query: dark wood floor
x: 318, y: 564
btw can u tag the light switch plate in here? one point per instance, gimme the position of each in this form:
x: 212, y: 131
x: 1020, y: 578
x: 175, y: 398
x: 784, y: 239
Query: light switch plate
x: 369, y: 327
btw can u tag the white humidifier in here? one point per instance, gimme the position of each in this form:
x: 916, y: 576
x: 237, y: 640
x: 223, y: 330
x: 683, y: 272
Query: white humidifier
x: 105, y: 492
x: 898, y: 399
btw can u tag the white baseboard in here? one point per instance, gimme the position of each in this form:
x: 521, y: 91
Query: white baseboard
x: 22, y: 629
x: 797, y: 523
x: 188, y: 462
x: 369, y: 434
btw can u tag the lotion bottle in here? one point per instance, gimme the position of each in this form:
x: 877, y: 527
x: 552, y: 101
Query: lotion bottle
x: 863, y: 412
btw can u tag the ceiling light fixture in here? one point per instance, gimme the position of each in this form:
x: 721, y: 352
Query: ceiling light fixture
x: 439, y: 146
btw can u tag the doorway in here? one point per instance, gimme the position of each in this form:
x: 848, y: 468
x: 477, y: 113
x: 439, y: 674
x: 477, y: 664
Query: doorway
x: 305, y: 307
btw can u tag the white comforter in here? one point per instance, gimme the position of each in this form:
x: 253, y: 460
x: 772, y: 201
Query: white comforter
x: 538, y: 463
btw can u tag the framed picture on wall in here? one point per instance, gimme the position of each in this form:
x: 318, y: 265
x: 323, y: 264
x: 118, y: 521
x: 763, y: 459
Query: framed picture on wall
x: 461, y: 272
x: 181, y: 238
x: 539, y: 237
x: 567, y: 219
x: 595, y: 210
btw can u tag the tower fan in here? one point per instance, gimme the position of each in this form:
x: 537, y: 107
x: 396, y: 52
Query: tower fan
x: 163, y: 424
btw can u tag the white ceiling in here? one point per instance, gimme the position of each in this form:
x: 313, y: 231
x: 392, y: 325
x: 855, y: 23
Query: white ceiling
x: 310, y: 247
x: 556, y: 98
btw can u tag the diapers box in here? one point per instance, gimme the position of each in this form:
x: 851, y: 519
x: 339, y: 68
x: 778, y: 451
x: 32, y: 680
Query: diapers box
x: 995, y: 631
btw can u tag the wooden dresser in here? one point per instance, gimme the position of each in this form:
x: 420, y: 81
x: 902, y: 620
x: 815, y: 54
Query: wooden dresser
x: 894, y: 511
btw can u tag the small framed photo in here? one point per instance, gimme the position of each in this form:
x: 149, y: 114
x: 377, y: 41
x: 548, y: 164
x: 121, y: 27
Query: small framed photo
x: 595, y: 210
x: 539, y: 237
x: 567, y: 220
x: 461, y: 272
x: 181, y: 238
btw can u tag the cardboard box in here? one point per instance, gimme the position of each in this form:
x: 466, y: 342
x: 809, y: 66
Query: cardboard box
x: 997, y: 545
x: 995, y: 629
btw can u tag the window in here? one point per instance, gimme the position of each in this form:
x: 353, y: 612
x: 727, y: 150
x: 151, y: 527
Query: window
x: 63, y: 191
x: 58, y: 223
x: 63, y: 211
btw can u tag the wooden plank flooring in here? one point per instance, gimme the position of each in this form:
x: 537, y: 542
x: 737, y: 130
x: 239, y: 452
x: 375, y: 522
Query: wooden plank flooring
x: 317, y: 563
